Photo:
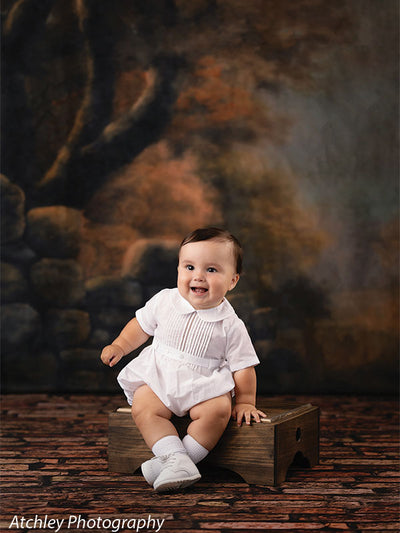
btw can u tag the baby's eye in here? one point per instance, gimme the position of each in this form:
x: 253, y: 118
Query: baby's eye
x: 189, y: 267
x: 211, y: 269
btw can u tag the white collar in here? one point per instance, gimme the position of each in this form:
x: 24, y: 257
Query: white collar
x: 223, y: 310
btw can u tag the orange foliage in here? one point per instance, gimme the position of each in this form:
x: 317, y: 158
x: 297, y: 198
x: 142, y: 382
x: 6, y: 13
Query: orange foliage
x: 224, y: 98
x: 283, y: 236
x: 289, y: 238
x: 156, y: 195
x: 213, y: 100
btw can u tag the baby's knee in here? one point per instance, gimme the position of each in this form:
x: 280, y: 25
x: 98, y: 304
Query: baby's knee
x: 139, y: 403
x: 146, y: 404
x: 217, y: 409
x: 137, y: 409
x: 224, y: 410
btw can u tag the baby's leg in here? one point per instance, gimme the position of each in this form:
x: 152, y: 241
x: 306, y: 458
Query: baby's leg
x: 209, y: 420
x: 171, y: 468
x: 151, y: 416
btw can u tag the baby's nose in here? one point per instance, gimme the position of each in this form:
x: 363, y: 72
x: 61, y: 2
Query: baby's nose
x: 199, y: 276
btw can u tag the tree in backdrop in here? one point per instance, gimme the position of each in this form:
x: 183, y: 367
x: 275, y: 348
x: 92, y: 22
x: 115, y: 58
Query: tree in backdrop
x: 142, y: 113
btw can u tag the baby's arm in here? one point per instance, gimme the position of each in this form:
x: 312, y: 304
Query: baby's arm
x: 130, y: 338
x: 245, y: 395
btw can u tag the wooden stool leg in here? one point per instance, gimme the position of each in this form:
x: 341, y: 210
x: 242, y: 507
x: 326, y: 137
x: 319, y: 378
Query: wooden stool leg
x: 126, y: 447
x: 296, y: 437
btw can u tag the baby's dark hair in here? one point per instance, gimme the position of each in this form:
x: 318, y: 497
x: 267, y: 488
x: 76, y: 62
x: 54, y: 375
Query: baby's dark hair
x: 206, y: 234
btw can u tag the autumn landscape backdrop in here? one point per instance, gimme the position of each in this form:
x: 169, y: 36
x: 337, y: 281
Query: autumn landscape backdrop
x: 128, y: 124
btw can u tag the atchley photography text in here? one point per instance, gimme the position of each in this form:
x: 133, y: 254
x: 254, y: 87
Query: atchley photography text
x: 114, y: 525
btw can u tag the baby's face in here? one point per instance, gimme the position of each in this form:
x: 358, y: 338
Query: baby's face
x: 206, y: 272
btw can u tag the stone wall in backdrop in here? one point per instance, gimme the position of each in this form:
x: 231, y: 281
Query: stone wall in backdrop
x: 54, y: 323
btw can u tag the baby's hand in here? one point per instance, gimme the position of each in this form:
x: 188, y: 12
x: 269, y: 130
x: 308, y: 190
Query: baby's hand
x: 111, y: 354
x: 244, y: 412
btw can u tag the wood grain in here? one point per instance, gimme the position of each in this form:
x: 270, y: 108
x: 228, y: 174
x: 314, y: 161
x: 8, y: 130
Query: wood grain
x: 260, y: 453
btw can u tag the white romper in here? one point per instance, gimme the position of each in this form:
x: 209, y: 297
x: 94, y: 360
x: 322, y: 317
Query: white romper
x: 193, y: 353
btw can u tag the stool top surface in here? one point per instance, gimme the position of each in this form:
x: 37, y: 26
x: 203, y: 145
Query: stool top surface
x: 275, y: 410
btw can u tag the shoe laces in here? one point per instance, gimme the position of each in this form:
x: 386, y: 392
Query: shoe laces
x: 169, y: 459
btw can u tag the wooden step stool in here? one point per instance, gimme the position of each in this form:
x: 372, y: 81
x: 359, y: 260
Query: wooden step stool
x: 261, y: 453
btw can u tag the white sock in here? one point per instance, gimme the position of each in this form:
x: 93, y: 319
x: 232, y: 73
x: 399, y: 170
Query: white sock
x: 167, y: 445
x: 194, y: 449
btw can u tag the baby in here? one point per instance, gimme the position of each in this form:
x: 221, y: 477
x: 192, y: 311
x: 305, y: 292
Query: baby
x: 201, y: 355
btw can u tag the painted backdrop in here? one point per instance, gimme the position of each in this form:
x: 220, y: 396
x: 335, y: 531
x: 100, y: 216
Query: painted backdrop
x: 127, y: 125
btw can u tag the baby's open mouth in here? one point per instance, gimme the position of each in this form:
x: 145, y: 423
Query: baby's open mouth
x: 198, y: 290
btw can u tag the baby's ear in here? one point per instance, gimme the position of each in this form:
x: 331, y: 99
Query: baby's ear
x: 234, y: 281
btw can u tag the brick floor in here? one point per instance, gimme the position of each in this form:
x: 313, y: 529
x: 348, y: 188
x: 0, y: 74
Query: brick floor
x: 54, y: 466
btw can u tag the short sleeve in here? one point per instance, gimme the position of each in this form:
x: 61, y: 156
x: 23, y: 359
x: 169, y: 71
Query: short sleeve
x: 147, y: 315
x: 240, y: 352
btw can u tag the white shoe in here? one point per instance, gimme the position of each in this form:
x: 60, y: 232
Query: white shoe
x: 151, y: 469
x: 177, y: 471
